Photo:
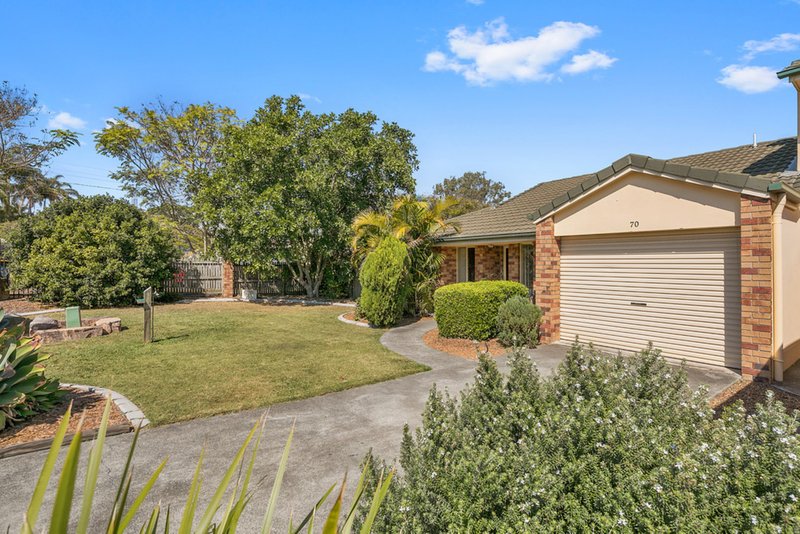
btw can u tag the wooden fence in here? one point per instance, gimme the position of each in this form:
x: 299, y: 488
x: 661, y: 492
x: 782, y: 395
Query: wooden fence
x: 195, y: 278
x: 7, y: 291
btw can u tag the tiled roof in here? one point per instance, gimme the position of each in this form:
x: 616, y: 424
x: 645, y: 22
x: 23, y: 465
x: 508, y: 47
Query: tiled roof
x: 767, y: 159
x: 743, y: 167
x: 511, y: 217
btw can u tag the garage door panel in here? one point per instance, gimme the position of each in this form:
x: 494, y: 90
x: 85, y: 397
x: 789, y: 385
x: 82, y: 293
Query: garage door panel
x: 689, y: 282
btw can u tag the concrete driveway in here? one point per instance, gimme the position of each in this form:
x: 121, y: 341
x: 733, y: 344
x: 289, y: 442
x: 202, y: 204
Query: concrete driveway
x: 333, y: 433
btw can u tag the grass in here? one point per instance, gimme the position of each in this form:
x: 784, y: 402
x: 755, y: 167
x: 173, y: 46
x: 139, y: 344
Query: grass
x: 212, y: 358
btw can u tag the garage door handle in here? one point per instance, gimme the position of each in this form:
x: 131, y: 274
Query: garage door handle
x: 638, y: 304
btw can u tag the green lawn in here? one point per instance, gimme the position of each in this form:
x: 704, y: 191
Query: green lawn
x: 211, y: 358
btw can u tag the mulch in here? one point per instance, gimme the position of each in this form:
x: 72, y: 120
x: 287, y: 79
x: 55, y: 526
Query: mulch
x: 23, y: 306
x: 464, y: 348
x: 752, y: 393
x: 85, y: 404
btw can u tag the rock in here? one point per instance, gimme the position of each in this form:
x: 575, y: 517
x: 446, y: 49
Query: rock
x: 109, y: 324
x: 42, y: 322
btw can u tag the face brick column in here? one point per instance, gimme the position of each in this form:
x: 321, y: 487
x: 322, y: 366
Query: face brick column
x: 756, y: 214
x: 547, y: 285
x: 513, y: 262
x: 448, y: 271
x: 488, y: 263
x: 227, y: 280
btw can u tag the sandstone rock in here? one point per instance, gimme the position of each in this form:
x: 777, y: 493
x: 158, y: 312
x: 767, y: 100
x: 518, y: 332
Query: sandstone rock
x: 42, y: 322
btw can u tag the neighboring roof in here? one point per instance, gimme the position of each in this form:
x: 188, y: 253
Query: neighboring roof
x: 511, y: 217
x: 743, y: 168
x: 766, y: 159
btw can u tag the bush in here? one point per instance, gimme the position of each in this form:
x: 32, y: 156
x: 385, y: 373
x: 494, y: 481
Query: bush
x: 24, y: 390
x: 384, y: 283
x: 469, y: 309
x: 606, y: 445
x: 518, y: 322
x: 93, y: 251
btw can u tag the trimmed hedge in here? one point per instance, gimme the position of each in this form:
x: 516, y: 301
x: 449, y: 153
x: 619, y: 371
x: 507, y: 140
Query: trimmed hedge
x: 469, y: 309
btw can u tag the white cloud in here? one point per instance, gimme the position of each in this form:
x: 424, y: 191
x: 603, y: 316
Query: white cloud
x: 490, y: 55
x: 65, y: 120
x: 479, y: 2
x: 588, y: 61
x: 783, y: 42
x: 307, y: 97
x: 749, y: 79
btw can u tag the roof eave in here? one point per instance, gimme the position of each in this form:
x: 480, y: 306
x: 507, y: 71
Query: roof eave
x: 636, y: 162
x: 782, y: 187
x: 488, y: 238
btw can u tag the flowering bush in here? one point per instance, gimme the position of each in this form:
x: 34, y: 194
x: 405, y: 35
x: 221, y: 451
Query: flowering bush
x: 518, y: 322
x: 607, y: 444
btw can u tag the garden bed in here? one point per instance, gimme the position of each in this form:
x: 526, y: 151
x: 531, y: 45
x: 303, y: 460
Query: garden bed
x: 750, y: 393
x: 464, y: 348
x: 351, y: 316
x: 36, y: 433
x: 22, y: 306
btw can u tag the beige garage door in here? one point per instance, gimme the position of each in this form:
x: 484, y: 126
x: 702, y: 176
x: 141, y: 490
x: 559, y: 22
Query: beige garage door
x: 679, y: 290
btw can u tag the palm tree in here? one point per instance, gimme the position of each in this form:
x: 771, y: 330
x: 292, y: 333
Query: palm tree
x: 417, y: 223
x: 32, y: 189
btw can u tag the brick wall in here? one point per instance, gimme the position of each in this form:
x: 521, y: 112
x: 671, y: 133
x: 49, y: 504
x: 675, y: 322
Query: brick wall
x: 513, y: 263
x: 447, y: 274
x: 547, y: 285
x: 488, y: 262
x: 227, y: 280
x: 756, y: 287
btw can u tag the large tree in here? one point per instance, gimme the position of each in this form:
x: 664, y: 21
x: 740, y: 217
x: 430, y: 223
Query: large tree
x: 166, y: 151
x: 291, y: 182
x: 472, y: 190
x: 24, y: 157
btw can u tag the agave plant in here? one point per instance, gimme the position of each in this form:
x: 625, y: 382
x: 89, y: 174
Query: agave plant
x: 24, y: 390
x: 218, y: 516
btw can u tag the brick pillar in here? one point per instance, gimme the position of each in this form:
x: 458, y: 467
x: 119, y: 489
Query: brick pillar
x: 489, y: 262
x: 547, y: 284
x: 227, y: 280
x: 448, y: 271
x: 756, y: 275
x: 513, y: 262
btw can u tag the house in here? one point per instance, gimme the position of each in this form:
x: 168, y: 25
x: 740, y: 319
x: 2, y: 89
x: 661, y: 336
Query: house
x: 698, y: 254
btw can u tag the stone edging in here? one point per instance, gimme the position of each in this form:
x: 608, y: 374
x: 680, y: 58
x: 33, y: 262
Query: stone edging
x: 131, y: 412
x: 350, y: 321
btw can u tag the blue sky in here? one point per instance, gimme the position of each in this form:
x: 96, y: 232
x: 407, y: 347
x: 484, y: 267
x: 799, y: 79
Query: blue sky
x: 527, y: 91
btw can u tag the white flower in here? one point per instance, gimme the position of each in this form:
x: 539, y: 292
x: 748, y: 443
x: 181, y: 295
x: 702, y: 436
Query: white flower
x: 793, y: 497
x: 658, y: 488
x: 753, y: 520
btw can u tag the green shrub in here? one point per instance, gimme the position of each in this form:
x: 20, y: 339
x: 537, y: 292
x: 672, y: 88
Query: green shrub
x: 607, y: 444
x: 384, y: 283
x: 469, y: 309
x: 24, y: 390
x: 518, y: 322
x: 93, y: 251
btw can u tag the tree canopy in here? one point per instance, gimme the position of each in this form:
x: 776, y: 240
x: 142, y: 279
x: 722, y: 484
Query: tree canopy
x: 472, y: 190
x: 24, y: 157
x: 165, y: 152
x: 290, y: 183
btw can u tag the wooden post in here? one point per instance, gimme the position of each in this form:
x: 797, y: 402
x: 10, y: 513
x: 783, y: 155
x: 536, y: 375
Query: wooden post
x: 148, y: 315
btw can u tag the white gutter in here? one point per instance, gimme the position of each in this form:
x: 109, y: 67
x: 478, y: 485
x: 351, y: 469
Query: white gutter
x: 777, y: 289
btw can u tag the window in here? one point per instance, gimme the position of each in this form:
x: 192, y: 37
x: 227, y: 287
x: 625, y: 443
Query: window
x: 527, y: 271
x: 466, y: 264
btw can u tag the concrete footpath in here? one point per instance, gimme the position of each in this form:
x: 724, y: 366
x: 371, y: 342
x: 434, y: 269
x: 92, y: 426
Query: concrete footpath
x: 333, y: 433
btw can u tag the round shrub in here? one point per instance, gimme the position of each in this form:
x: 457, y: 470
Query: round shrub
x: 384, y: 283
x: 469, y: 309
x: 518, y: 322
x: 92, y: 251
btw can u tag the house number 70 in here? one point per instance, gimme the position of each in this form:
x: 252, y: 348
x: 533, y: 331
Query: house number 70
x: 634, y: 224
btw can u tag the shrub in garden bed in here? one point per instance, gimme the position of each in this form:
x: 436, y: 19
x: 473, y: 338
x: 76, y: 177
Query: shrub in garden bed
x: 24, y: 390
x: 606, y: 445
x: 518, y: 322
x: 384, y: 283
x: 469, y: 309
